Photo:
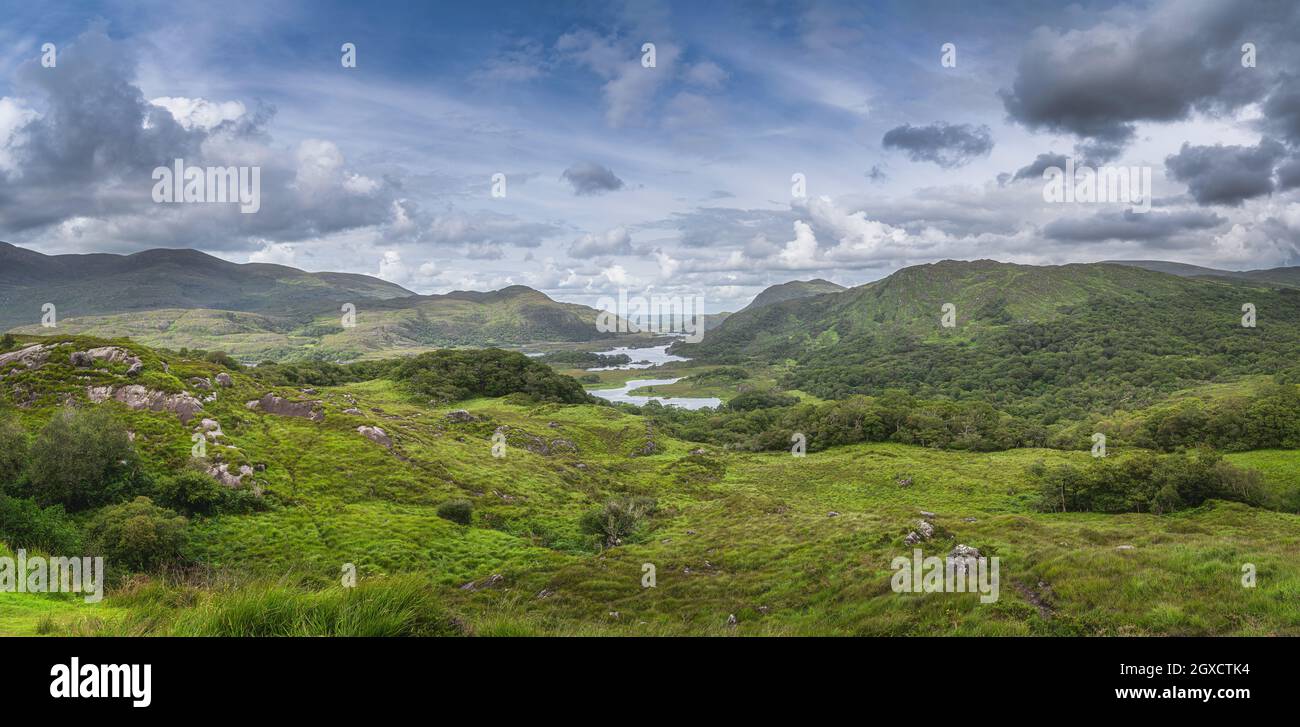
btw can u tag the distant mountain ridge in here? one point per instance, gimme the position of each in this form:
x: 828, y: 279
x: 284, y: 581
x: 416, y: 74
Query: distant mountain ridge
x: 1288, y: 276
x: 186, y: 298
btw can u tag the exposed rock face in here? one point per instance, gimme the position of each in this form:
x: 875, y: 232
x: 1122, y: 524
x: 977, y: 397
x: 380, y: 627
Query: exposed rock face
x: 221, y: 473
x: 108, y: 354
x: 31, y: 357
x: 136, y: 396
x: 199, y: 382
x: 964, y: 556
x: 211, y: 428
x: 223, y: 379
x: 924, y: 531
x: 280, y: 406
x: 376, y: 435
x: 460, y: 415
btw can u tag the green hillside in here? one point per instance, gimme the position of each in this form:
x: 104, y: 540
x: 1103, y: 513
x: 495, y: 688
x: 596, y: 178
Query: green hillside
x: 1042, y: 342
x: 559, y: 529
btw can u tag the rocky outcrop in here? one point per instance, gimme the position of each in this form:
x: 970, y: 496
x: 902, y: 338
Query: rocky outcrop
x: 376, y: 435
x: 138, y: 397
x: 30, y: 357
x: 353, y: 411
x: 924, y: 531
x: 220, y: 471
x: 211, y: 428
x: 199, y: 382
x: 280, y: 406
x: 223, y: 379
x: 460, y: 415
x: 108, y: 354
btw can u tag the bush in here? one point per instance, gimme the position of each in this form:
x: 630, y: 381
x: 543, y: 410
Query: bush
x: 25, y: 524
x: 1147, y: 483
x: 8, y: 342
x: 449, y: 375
x: 457, y: 511
x: 83, y: 458
x: 195, y: 493
x: 618, y: 519
x: 13, y: 455
x: 137, y: 536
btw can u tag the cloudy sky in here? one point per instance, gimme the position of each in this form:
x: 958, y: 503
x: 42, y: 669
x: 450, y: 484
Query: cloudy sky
x: 676, y: 178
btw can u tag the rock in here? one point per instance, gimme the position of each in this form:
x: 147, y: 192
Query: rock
x: 280, y: 406
x: 309, y: 391
x: 137, y: 397
x: 832, y: 513
x: 135, y: 369
x: 211, y: 428
x: 544, y: 593
x: 376, y: 435
x: 698, y: 451
x: 927, y: 515
x: 553, y: 425
x: 199, y: 382
x: 81, y: 359
x: 1124, y: 547
x: 353, y: 411
x: 491, y: 581
x: 460, y: 415
x: 912, y: 538
x: 925, y: 529
x: 223, y: 379
x: 968, y: 519
x: 731, y: 619
x: 964, y: 551
x: 963, y: 557
x: 221, y: 473
x: 30, y: 357
x: 108, y: 354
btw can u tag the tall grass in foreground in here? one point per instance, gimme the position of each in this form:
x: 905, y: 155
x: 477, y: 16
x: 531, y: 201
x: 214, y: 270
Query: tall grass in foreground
x: 399, y: 606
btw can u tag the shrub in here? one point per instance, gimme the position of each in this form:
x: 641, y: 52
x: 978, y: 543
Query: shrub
x: 13, y: 454
x: 618, y: 519
x: 457, y: 511
x: 83, y: 458
x: 195, y: 493
x: 25, y: 524
x: 137, y: 535
x: 8, y: 342
x: 1147, y: 483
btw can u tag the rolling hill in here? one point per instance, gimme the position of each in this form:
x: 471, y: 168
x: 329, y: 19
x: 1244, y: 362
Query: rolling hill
x: 187, y: 299
x: 1045, y: 342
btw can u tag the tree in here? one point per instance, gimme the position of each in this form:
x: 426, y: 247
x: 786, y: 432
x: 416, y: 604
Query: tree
x: 83, y: 458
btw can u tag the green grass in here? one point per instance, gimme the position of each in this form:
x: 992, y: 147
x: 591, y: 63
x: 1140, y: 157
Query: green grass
x: 787, y: 545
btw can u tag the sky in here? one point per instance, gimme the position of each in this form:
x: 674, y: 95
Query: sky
x: 767, y: 141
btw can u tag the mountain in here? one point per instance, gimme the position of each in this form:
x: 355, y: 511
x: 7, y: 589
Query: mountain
x: 792, y: 290
x: 1289, y: 276
x: 187, y: 299
x: 89, y: 285
x: 1041, y: 342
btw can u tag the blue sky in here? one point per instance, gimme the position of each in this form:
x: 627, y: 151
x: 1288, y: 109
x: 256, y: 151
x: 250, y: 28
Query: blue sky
x: 675, y: 178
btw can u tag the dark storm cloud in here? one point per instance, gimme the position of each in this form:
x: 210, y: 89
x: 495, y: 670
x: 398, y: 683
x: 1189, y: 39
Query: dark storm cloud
x: 1096, y: 83
x: 948, y: 145
x: 1226, y: 175
x: 589, y: 178
x: 1131, y: 226
x: 1034, y: 170
x: 91, y: 148
x: 1288, y: 175
x: 1282, y: 109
